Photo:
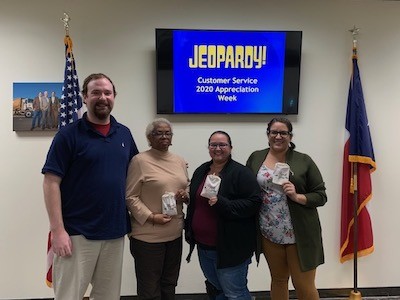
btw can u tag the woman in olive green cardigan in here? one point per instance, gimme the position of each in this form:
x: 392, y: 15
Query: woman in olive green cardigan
x: 290, y: 229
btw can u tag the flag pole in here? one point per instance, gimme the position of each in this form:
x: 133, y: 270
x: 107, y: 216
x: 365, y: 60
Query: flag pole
x: 355, y: 294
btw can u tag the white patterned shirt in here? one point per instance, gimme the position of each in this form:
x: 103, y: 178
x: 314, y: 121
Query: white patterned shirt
x: 275, y: 221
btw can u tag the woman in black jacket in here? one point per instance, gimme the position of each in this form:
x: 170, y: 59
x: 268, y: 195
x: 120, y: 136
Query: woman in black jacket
x: 224, y: 226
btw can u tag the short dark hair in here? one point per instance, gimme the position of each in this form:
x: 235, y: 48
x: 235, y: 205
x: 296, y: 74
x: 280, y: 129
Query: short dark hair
x: 221, y: 132
x: 280, y: 120
x: 284, y: 121
x: 96, y: 76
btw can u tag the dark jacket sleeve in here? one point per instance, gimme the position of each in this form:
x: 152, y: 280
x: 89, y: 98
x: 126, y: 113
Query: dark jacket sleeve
x: 239, y: 195
x: 307, y: 178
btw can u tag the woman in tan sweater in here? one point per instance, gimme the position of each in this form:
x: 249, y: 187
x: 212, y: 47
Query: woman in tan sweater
x: 156, y: 237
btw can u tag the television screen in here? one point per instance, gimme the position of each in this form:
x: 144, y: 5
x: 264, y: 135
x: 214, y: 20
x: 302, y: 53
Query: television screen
x: 227, y: 71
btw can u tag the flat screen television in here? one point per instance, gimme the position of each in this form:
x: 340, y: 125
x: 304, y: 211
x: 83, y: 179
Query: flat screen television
x: 227, y: 71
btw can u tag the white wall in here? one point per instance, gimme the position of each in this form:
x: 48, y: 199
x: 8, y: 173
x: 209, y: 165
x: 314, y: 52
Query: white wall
x: 117, y: 38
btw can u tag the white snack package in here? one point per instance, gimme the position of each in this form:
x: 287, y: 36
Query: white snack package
x: 169, y: 204
x: 281, y: 173
x: 211, y: 186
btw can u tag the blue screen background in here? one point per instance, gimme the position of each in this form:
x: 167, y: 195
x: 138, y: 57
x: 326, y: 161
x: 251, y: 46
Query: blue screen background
x: 268, y: 99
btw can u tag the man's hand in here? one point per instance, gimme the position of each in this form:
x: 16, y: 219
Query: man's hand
x: 61, y: 243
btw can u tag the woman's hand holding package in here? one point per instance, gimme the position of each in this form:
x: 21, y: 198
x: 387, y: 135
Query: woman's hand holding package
x: 290, y: 190
x: 159, y: 219
x: 182, y: 195
x: 212, y: 200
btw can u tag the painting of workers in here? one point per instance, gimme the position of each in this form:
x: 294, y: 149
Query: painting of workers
x: 36, y: 106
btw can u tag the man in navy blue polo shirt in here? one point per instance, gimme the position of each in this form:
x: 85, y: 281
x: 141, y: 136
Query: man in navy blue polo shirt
x: 84, y: 192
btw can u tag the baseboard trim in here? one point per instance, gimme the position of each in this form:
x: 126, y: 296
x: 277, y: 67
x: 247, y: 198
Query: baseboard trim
x: 365, y: 292
x: 324, y: 293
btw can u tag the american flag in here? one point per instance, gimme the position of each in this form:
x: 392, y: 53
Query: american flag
x: 71, y: 100
x: 70, y: 111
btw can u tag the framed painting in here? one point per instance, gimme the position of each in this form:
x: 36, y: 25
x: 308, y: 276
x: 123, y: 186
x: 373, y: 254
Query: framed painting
x: 36, y: 105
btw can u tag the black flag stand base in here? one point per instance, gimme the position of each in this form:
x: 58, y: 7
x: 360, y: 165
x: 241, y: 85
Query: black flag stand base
x: 355, y: 295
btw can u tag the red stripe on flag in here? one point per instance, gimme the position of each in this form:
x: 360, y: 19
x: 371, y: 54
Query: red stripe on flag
x: 50, y: 256
x: 364, y: 226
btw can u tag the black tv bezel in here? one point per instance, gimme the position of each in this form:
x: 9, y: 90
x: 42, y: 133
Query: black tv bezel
x: 165, y: 71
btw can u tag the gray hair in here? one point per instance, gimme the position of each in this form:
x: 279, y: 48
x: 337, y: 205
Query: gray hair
x: 150, y: 127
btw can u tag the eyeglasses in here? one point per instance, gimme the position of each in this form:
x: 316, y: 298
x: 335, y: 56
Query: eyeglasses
x: 161, y: 134
x: 220, y: 145
x: 275, y: 133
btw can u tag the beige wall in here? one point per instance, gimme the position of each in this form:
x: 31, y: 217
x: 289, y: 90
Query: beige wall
x: 117, y: 38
